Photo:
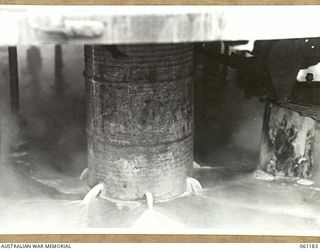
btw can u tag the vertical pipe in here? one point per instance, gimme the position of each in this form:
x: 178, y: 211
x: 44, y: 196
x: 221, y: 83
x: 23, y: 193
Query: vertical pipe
x: 34, y: 64
x: 14, y: 81
x: 58, y: 65
x: 3, y: 104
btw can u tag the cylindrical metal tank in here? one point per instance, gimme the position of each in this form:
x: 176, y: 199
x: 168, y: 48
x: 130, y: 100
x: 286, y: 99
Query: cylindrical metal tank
x: 290, y: 141
x: 140, y: 119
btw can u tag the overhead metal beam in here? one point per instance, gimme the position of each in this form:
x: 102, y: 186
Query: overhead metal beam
x: 154, y: 24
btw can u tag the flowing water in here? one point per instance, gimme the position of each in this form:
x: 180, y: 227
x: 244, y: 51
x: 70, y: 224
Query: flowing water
x: 241, y: 204
x: 193, y: 186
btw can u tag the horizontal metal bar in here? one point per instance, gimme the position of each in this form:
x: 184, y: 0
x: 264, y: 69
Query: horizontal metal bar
x: 154, y: 24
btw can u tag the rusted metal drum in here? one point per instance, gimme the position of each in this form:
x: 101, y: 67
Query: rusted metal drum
x: 140, y: 119
x: 290, y: 144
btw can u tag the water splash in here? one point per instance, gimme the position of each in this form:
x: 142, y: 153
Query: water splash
x: 153, y: 219
x: 84, y: 174
x: 193, y: 186
x: 196, y: 165
x: 92, y: 193
x: 261, y: 175
x: 305, y: 182
x: 85, y: 203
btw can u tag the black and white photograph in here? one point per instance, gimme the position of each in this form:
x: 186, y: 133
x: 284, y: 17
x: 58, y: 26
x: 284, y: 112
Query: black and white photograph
x: 160, y: 119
